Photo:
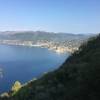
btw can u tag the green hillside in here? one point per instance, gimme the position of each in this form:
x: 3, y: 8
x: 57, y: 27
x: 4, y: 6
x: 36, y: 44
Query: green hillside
x: 77, y: 79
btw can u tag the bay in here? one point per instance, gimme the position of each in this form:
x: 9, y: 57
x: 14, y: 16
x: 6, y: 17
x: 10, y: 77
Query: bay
x: 22, y: 63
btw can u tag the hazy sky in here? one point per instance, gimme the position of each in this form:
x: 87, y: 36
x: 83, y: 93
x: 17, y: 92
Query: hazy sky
x: 72, y: 16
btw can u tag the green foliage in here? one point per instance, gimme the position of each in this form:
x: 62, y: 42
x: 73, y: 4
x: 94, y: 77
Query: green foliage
x: 77, y: 79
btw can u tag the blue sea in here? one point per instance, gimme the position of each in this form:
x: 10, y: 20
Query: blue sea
x: 22, y: 63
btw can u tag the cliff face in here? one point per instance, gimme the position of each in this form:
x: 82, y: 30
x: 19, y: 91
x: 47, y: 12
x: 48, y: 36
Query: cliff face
x: 77, y: 79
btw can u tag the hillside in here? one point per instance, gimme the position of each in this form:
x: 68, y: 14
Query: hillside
x: 40, y: 35
x: 77, y: 79
x: 58, y: 42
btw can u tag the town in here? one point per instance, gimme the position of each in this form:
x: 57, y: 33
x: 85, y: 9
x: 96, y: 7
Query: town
x: 57, y: 47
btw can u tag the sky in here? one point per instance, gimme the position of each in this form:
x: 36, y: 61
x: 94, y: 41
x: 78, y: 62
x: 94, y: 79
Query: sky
x: 70, y: 16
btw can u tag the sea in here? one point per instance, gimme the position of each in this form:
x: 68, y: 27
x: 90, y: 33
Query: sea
x: 23, y: 63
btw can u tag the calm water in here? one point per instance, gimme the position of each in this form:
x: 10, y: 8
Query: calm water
x: 24, y: 63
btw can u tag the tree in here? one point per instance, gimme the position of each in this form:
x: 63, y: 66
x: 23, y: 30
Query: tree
x: 17, y: 85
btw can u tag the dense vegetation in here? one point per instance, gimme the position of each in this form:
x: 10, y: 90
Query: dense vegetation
x: 77, y: 79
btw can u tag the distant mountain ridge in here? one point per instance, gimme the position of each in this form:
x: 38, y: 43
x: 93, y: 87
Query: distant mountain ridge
x: 32, y: 35
x: 56, y: 41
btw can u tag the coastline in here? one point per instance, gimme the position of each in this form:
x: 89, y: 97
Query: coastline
x: 49, y: 45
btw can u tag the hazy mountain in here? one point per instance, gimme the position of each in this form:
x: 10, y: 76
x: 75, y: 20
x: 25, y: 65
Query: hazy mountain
x: 38, y: 35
